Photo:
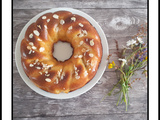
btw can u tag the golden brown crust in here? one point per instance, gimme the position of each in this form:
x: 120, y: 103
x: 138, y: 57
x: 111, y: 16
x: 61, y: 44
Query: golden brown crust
x: 37, y: 47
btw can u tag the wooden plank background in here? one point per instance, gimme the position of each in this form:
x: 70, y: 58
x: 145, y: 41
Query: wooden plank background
x: 120, y: 20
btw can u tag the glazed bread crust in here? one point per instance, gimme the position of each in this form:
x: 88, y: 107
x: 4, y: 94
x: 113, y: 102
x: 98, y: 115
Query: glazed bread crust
x: 37, y: 52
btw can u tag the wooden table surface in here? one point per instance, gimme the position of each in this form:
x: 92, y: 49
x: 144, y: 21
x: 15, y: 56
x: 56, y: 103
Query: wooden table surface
x: 120, y: 20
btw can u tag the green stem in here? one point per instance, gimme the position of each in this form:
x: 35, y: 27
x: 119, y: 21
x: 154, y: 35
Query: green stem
x: 130, y: 76
x: 119, y: 97
x: 122, y: 72
x: 128, y: 97
x: 110, y: 91
x: 124, y: 94
x: 138, y: 66
x: 113, y: 88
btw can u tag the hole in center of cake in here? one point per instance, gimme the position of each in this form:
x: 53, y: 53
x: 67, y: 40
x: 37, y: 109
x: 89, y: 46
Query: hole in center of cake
x: 62, y: 51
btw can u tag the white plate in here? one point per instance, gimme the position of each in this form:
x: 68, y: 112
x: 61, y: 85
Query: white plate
x: 77, y: 92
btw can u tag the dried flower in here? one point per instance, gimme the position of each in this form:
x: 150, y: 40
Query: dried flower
x: 136, y: 60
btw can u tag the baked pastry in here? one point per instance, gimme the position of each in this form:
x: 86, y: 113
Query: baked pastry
x: 37, y: 58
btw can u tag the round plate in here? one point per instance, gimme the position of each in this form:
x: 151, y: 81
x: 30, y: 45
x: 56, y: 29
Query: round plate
x: 79, y: 91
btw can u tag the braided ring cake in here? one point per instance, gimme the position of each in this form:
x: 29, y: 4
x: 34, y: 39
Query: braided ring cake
x: 37, y: 49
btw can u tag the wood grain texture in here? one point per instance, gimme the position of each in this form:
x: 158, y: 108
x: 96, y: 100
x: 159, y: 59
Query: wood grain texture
x: 120, y: 20
x: 114, y: 22
x: 121, y: 116
x: 27, y: 103
x: 43, y: 4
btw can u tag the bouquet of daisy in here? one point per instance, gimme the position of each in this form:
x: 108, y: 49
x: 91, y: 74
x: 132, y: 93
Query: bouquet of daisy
x: 129, y: 63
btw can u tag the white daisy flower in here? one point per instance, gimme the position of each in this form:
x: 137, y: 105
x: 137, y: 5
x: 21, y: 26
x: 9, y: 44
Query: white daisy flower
x: 131, y: 42
x: 124, y: 61
x: 140, y: 40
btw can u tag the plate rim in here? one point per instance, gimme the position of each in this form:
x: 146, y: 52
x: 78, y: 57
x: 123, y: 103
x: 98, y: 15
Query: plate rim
x: 85, y: 88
